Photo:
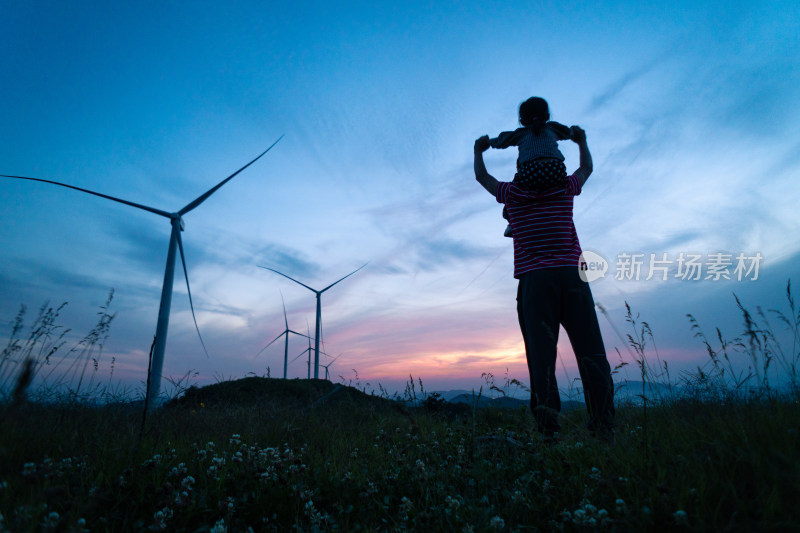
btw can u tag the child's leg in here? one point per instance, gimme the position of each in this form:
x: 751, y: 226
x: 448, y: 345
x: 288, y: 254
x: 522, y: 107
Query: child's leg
x: 541, y: 174
x: 508, y: 232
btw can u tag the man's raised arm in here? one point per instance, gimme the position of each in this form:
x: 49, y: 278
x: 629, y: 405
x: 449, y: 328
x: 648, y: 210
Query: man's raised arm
x: 585, y: 168
x: 481, y: 174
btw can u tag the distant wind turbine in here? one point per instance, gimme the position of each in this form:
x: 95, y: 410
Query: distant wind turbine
x: 286, y: 346
x: 319, y: 309
x: 329, y: 364
x: 176, y: 219
x: 308, y: 351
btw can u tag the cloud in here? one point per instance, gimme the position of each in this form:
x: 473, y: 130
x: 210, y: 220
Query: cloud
x: 617, y: 88
x: 142, y: 242
x: 49, y: 276
x: 438, y: 253
x: 757, y: 101
x: 290, y: 261
x: 426, y: 229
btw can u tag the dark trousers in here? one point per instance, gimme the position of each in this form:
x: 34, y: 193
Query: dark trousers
x: 547, y: 298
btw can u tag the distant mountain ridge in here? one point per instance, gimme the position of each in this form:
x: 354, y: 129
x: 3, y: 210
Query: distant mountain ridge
x: 625, y: 391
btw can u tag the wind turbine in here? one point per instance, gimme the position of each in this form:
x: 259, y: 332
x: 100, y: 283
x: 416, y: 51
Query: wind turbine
x: 319, y: 309
x: 284, y: 332
x: 329, y: 364
x: 176, y: 220
x: 308, y: 351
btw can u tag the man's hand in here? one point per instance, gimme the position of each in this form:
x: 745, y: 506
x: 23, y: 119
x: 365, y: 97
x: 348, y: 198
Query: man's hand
x: 586, y: 166
x: 482, y: 144
x: 484, y: 178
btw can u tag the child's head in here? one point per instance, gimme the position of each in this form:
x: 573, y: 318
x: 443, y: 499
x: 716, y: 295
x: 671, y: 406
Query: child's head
x: 534, y: 112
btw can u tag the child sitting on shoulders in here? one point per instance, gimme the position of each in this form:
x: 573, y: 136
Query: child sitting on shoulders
x: 540, y: 164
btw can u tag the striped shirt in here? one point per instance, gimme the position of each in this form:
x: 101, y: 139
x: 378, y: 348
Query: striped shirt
x: 533, y: 146
x: 543, y: 229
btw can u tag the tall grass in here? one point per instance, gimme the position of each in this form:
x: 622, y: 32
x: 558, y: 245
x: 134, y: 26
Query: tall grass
x: 59, y: 373
x: 760, y: 352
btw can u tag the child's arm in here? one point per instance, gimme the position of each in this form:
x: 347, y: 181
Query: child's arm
x: 562, y: 132
x: 506, y: 139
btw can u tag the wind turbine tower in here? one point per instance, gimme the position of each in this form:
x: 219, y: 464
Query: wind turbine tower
x: 176, y: 220
x: 319, y: 309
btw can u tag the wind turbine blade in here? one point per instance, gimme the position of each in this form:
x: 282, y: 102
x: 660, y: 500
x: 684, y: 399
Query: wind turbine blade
x: 189, y: 292
x: 296, y: 333
x: 285, y: 320
x: 285, y: 276
x: 347, y: 276
x: 270, y: 343
x: 202, y: 198
x: 120, y: 200
x: 299, y: 355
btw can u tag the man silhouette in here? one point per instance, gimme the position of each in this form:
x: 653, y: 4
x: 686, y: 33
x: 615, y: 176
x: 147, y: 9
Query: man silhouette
x: 552, y: 293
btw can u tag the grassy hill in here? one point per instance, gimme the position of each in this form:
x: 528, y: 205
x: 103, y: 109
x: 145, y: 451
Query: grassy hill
x: 274, y: 393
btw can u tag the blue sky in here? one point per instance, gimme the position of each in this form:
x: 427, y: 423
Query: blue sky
x: 691, y: 112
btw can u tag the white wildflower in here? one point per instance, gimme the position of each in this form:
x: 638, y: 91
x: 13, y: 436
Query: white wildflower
x: 497, y: 523
x: 51, y: 520
x: 219, y: 527
x: 161, y: 517
x: 452, y: 503
x: 314, y: 516
x: 405, y: 507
